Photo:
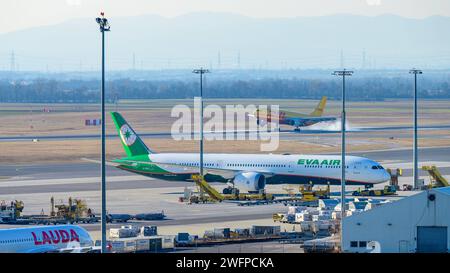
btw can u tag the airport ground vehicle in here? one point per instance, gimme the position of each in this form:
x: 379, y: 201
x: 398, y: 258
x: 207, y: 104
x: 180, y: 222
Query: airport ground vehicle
x: 436, y: 178
x: 212, y: 195
x: 247, y: 172
x: 184, y: 239
x: 387, y: 190
x: 118, y: 218
x: 10, y: 212
x: 308, y: 194
x: 75, y: 211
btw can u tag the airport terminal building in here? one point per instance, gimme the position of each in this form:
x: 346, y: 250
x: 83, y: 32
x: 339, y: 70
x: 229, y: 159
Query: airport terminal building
x: 419, y: 223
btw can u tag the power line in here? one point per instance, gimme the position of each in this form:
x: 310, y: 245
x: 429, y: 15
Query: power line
x: 13, y: 62
x: 239, y: 59
x: 363, y: 59
x: 218, y: 60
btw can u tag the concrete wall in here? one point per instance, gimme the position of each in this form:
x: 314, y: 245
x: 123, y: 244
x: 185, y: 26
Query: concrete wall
x: 396, y: 223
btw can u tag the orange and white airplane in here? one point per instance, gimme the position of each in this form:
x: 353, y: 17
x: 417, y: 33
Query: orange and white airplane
x: 296, y: 119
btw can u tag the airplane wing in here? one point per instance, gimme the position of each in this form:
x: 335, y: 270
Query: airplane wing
x: 315, y: 119
x: 320, y: 119
x: 228, y: 173
x: 108, y: 163
x: 307, y: 121
x: 76, y: 250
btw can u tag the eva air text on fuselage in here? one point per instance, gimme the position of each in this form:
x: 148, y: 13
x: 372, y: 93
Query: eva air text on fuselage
x: 328, y: 162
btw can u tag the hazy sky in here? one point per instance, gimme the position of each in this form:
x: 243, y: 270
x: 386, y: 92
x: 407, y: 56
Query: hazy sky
x: 19, y: 14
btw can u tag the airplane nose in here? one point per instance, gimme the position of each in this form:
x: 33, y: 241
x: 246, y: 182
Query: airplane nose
x: 386, y: 176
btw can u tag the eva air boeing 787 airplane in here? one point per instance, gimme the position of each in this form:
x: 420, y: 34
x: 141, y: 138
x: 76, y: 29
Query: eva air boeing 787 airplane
x: 250, y: 172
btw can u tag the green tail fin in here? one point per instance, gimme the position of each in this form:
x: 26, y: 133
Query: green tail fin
x: 319, y: 108
x: 131, y: 142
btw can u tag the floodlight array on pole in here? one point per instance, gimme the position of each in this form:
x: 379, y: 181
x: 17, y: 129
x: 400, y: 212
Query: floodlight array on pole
x: 415, y: 147
x: 201, y: 71
x: 104, y: 26
x: 343, y: 73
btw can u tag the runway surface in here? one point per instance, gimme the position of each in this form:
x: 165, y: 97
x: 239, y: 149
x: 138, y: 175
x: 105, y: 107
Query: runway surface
x: 283, y: 132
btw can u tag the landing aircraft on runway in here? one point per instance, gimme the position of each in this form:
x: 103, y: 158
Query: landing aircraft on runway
x: 248, y: 172
x: 63, y: 238
x: 296, y: 119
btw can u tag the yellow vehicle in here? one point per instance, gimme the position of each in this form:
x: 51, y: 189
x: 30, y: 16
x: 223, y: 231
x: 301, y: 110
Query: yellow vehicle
x: 387, y: 190
x: 278, y: 217
x: 394, y: 173
x: 436, y: 178
x: 73, y: 210
x: 11, y: 210
x: 212, y: 195
x: 308, y: 194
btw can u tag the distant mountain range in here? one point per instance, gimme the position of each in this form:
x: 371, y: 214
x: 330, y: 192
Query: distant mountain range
x: 222, y: 40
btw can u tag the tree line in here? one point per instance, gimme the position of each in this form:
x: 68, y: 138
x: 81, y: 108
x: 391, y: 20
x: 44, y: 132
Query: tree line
x: 88, y: 91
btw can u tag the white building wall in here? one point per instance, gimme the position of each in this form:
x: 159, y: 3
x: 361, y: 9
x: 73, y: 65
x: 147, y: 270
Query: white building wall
x: 395, y: 223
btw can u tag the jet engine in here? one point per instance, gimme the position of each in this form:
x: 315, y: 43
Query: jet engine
x: 249, y: 181
x: 295, y: 123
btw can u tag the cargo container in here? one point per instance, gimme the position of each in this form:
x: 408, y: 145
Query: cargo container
x: 290, y: 218
x: 116, y: 246
x: 142, y: 245
x: 358, y: 206
x: 265, y: 230
x: 242, y: 232
x: 325, y: 212
x: 302, y: 216
x: 336, y: 215
x: 122, y: 245
x: 168, y: 241
x: 328, y: 204
x: 149, y: 231
x: 296, y: 209
x: 209, y: 234
x: 155, y: 243
x: 92, y: 122
x: 122, y: 233
x: 183, y: 238
x: 222, y: 233
x: 321, y: 217
x: 315, y: 211
x: 126, y: 245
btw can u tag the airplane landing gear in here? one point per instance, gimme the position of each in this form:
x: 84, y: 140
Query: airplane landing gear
x: 230, y: 190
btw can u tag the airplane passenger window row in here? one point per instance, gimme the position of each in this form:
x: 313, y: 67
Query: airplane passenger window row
x: 16, y: 241
x: 257, y: 165
x: 327, y: 167
x: 197, y: 164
